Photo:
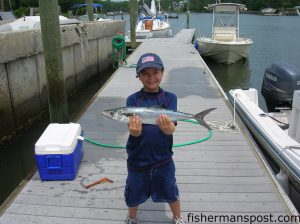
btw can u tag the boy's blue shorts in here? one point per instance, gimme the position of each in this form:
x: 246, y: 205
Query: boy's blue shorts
x: 159, y: 183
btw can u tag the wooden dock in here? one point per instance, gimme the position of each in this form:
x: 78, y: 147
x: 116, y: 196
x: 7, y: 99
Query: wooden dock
x: 221, y: 176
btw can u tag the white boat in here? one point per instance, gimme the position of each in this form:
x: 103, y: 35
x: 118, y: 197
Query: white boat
x: 32, y: 22
x: 269, y: 12
x: 297, y: 8
x: 155, y: 25
x: 278, y: 133
x: 225, y: 44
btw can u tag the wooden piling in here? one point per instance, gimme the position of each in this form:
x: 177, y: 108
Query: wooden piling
x: 2, y: 5
x: 133, y: 13
x: 90, y: 10
x: 188, y: 14
x: 50, y: 28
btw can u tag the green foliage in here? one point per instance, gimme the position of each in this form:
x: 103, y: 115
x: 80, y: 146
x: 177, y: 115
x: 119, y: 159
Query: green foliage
x: 19, y: 6
x: 20, y: 12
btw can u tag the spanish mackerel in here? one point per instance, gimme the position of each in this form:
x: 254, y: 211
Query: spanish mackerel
x: 149, y: 115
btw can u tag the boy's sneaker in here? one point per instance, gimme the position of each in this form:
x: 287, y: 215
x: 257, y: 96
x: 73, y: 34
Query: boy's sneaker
x: 131, y: 220
x: 178, y: 220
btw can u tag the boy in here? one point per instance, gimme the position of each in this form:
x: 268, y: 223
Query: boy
x: 151, y: 170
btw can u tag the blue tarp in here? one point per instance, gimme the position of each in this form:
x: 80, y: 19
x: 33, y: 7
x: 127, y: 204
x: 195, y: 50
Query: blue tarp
x: 7, y: 15
x: 95, y: 5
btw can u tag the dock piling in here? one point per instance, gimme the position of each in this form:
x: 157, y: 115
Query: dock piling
x: 2, y: 5
x: 50, y: 28
x: 90, y: 10
x: 188, y: 14
x: 133, y: 12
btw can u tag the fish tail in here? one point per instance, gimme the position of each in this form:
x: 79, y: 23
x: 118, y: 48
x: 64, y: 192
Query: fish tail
x: 200, y: 117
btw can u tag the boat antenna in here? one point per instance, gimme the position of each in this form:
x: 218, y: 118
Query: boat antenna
x: 158, y: 5
x: 10, y: 5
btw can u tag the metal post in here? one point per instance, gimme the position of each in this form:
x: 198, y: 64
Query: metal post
x: 212, y: 28
x: 238, y: 22
x: 188, y: 14
x: 2, y: 6
x: 133, y: 13
x: 57, y: 98
x: 90, y: 10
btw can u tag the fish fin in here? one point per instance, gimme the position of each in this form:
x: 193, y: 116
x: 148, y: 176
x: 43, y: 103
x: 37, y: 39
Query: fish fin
x: 200, y: 117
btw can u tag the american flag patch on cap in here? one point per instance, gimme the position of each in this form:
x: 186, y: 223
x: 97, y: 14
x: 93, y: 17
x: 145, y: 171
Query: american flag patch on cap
x: 147, y: 59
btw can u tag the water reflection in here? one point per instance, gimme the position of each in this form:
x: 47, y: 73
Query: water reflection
x: 236, y: 75
x: 17, y: 155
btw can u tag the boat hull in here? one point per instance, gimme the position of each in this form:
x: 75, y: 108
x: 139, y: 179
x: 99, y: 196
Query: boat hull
x: 223, y: 52
x: 269, y: 139
x: 145, y: 34
x: 159, y: 29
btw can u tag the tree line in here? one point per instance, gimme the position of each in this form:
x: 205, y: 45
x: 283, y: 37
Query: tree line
x: 21, y: 7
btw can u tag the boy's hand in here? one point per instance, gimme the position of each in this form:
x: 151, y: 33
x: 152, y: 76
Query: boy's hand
x: 135, y: 126
x: 165, y: 124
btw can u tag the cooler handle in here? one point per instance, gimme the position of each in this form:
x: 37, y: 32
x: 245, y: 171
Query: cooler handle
x: 53, y: 157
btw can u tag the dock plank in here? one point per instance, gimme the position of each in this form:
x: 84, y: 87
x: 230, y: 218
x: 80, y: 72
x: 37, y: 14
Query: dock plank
x: 221, y: 176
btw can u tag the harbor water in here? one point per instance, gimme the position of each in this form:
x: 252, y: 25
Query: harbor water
x: 275, y: 38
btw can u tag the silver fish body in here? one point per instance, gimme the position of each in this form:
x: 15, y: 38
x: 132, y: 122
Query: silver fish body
x: 149, y: 115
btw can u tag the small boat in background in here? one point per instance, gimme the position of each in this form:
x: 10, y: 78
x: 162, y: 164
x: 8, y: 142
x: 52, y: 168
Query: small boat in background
x: 297, y: 8
x: 269, y: 12
x: 32, y: 22
x: 6, y: 17
x: 153, y: 25
x: 225, y: 44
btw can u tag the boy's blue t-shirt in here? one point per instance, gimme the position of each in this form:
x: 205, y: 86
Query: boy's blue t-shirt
x: 152, y: 146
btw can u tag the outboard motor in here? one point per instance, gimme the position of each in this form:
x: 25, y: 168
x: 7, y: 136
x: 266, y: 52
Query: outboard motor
x: 280, y: 81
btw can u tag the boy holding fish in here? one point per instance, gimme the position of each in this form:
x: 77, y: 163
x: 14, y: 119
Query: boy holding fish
x: 151, y: 170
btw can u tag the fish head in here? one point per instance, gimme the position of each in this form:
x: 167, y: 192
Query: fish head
x: 111, y: 113
x: 115, y: 114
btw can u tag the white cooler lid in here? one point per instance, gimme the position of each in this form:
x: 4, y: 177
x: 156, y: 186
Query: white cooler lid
x: 58, y: 139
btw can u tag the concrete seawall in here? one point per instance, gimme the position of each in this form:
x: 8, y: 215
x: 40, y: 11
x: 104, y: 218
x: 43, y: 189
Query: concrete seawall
x: 87, y: 50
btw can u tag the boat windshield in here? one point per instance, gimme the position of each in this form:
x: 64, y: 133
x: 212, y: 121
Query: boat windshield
x: 225, y: 19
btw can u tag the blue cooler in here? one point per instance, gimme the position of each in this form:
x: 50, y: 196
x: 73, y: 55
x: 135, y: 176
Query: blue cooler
x: 58, y: 152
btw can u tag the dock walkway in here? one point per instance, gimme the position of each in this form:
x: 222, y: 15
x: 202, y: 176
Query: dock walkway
x: 221, y: 176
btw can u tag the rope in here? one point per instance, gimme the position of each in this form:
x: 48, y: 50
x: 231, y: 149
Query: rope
x: 225, y: 126
x: 128, y: 65
x: 175, y: 145
x: 119, y: 50
x: 84, y: 44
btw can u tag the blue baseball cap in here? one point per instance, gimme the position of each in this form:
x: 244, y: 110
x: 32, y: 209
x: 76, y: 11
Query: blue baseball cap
x: 149, y: 60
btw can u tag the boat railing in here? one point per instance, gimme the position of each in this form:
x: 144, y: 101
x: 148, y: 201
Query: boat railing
x: 227, y: 37
x: 244, y: 37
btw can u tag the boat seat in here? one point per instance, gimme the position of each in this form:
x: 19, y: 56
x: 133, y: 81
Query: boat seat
x: 224, y: 37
